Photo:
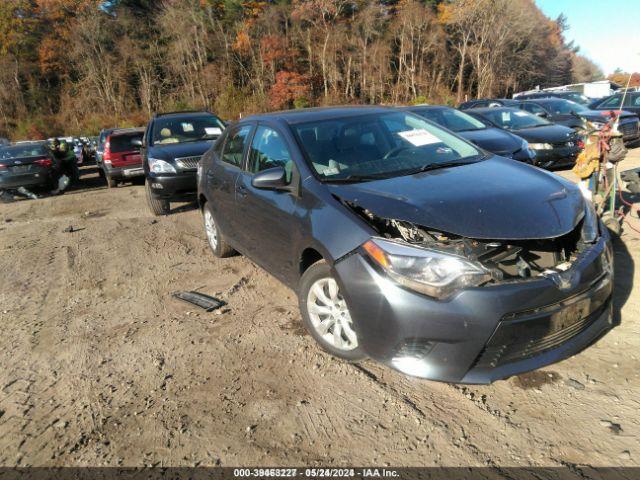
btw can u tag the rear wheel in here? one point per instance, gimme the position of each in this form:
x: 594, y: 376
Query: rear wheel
x: 219, y: 247
x: 158, y: 206
x: 111, y: 182
x: 326, y: 315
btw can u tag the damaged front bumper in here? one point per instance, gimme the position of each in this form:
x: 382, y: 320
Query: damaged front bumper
x: 480, y: 334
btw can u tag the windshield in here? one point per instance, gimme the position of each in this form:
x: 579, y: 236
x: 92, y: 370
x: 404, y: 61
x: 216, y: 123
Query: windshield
x: 177, y: 129
x: 379, y: 146
x: 564, y: 107
x: 450, y: 118
x: 512, y: 119
x: 23, y: 151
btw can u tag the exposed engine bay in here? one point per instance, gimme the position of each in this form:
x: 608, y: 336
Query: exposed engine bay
x: 505, y: 259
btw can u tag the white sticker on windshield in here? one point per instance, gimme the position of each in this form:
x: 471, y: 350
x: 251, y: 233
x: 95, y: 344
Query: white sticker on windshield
x: 187, y: 127
x: 419, y: 137
x: 506, y: 116
x: 331, y: 171
x: 520, y: 114
x: 213, y: 130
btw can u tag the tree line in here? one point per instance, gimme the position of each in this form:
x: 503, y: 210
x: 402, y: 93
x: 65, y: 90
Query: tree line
x: 74, y: 66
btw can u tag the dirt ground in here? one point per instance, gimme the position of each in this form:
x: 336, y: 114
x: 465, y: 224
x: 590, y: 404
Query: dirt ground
x: 99, y: 365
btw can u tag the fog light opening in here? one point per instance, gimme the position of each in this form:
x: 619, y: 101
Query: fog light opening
x: 413, y: 366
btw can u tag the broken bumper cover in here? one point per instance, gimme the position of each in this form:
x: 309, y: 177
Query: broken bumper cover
x: 481, y: 334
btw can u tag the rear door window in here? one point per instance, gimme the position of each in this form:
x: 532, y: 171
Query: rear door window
x: 233, y: 149
x: 532, y: 108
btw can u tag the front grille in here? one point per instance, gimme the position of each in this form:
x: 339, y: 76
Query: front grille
x: 529, y: 333
x: 629, y: 128
x: 188, y: 163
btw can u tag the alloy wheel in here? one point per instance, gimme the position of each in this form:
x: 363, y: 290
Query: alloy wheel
x: 330, y: 315
x: 211, y: 229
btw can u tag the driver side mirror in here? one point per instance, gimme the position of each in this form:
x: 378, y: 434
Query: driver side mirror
x: 136, y: 142
x: 271, y: 179
x: 542, y: 114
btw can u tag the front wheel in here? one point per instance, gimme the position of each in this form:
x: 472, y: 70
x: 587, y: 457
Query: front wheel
x: 326, y: 315
x: 158, y: 206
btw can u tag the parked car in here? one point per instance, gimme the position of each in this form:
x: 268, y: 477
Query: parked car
x: 556, y: 146
x: 567, y: 95
x: 488, y: 102
x: 631, y: 102
x: 492, y: 139
x: 568, y: 113
x: 407, y: 244
x: 121, y: 158
x: 102, y: 139
x: 172, y: 146
x: 28, y: 165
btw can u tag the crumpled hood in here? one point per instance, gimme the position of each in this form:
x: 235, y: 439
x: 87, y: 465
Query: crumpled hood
x: 170, y: 151
x: 496, y: 199
x: 493, y: 139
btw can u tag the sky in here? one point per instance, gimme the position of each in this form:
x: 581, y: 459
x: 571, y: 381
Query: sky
x: 607, y: 31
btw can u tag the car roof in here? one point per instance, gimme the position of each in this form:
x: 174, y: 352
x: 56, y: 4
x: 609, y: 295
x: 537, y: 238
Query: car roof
x: 318, y: 113
x: 546, y: 100
x: 184, y: 113
x: 495, y: 109
x: 427, y: 107
x: 122, y: 131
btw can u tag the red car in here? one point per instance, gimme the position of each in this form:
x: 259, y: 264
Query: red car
x: 121, y: 159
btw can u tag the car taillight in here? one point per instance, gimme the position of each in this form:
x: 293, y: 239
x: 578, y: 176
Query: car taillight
x: 43, y: 162
x: 580, y: 144
x: 106, y: 155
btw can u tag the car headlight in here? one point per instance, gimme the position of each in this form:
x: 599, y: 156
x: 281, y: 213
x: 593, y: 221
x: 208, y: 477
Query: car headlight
x: 541, y: 146
x: 525, y: 147
x: 590, y: 229
x: 434, y: 273
x: 160, y: 166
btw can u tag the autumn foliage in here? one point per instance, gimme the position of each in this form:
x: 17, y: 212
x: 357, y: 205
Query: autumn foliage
x: 74, y: 66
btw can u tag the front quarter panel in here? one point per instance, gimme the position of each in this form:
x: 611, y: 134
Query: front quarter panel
x: 331, y: 227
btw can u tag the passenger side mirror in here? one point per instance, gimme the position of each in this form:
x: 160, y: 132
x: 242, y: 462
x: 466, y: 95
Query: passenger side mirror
x: 542, y: 114
x: 271, y: 179
x: 137, y: 142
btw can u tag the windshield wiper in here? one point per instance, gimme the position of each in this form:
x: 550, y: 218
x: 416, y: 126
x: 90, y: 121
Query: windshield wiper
x: 355, y: 178
x: 437, y: 166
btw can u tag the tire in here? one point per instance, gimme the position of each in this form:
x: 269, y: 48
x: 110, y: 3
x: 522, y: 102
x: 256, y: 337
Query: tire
x: 158, y: 206
x: 322, y: 326
x: 111, y: 182
x: 215, y: 238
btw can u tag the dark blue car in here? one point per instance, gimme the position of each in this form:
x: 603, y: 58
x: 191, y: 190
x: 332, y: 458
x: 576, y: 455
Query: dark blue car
x: 409, y: 245
x: 492, y: 139
x: 171, y: 149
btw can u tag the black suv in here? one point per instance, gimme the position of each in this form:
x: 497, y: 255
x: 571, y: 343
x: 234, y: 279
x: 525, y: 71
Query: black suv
x: 171, y: 149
